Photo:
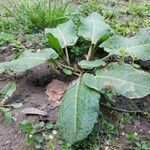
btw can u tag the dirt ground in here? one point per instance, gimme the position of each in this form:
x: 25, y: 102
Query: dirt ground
x: 31, y: 94
x: 31, y: 87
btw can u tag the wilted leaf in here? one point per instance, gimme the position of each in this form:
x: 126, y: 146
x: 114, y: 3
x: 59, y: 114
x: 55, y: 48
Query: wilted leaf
x: 78, y: 112
x: 55, y: 90
x: 138, y: 45
x: 126, y: 80
x: 65, y: 33
x: 86, y: 64
x: 34, y: 111
x: 93, y: 28
x: 28, y: 60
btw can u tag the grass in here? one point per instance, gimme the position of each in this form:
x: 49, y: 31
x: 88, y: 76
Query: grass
x: 126, y: 18
x: 37, y: 15
x: 30, y: 17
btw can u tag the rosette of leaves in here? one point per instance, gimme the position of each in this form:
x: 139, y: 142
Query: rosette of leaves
x: 37, y: 134
x: 80, y: 104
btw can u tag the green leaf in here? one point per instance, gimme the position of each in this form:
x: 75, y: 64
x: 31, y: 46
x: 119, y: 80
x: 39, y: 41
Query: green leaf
x: 26, y: 126
x: 39, y: 125
x: 8, y: 117
x: 126, y: 80
x: 93, y: 28
x: 39, y: 138
x: 38, y: 146
x: 49, y: 126
x: 86, y: 64
x: 138, y: 45
x: 28, y: 60
x: 65, y: 34
x: 8, y: 90
x: 16, y: 105
x: 67, y: 71
x: 54, y: 43
x: 30, y: 138
x: 78, y: 112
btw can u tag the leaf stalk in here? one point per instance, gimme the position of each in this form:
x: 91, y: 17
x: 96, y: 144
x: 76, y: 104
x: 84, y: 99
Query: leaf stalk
x: 67, y: 56
x: 89, y: 52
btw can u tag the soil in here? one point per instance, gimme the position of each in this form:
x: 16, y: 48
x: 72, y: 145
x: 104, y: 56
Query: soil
x: 31, y: 93
x: 31, y: 88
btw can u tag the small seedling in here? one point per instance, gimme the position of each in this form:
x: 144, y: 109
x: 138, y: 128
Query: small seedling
x: 137, y: 143
x: 38, y: 134
x: 5, y: 94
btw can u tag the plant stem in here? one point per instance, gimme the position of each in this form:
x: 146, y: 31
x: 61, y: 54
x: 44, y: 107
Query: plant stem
x: 68, y: 67
x: 122, y: 110
x: 77, y: 72
x: 89, y: 52
x: 106, y: 57
x: 67, y: 56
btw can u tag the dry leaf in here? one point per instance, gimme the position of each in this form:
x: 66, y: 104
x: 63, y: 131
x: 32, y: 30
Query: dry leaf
x: 34, y: 111
x: 55, y: 90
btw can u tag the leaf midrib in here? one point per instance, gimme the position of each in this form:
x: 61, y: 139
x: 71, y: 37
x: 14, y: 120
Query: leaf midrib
x: 129, y: 48
x: 76, y: 101
x: 93, y: 34
x: 107, y: 77
x: 63, y: 38
x: 147, y: 44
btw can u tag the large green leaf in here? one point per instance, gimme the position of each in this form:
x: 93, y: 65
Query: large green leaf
x: 65, y: 34
x: 138, y: 45
x: 28, y: 60
x: 93, y: 28
x: 86, y: 64
x: 126, y: 80
x: 78, y: 112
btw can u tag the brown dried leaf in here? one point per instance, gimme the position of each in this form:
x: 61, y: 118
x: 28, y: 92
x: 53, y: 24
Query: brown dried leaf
x: 34, y: 111
x: 55, y: 90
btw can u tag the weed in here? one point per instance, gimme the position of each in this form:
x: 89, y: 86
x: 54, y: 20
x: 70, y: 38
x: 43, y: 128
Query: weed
x: 5, y: 94
x: 36, y: 15
x: 39, y: 134
x: 126, y: 18
x: 137, y: 143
